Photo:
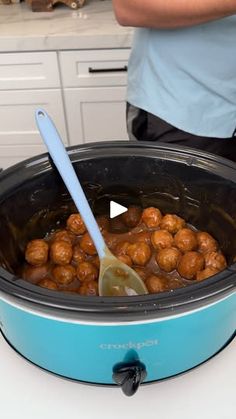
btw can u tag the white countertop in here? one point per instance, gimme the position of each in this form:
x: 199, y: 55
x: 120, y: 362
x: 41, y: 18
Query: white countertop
x: 207, y: 392
x: 92, y: 26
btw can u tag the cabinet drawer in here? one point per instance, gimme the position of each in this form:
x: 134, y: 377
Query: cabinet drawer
x: 94, y: 68
x: 28, y: 70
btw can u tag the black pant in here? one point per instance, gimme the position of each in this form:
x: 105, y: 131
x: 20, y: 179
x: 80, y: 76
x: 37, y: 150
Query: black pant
x: 143, y: 126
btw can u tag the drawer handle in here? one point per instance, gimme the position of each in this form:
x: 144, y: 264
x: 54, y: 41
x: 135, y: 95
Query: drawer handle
x: 107, y: 70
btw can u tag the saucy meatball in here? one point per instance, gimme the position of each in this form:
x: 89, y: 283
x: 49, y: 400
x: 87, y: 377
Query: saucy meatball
x: 143, y: 236
x: 215, y: 260
x: 64, y: 275
x: 86, y: 271
x: 206, y: 243
x: 35, y: 273
x: 88, y: 288
x: 206, y: 273
x: 63, y: 235
x: 141, y: 272
x: 95, y: 261
x: 161, y: 239
x: 121, y: 248
x: 125, y: 259
x: 61, y: 252
x: 87, y: 245
x: 75, y: 224
x: 168, y: 258
x: 140, y: 253
x: 151, y: 217
x: 132, y: 216
x: 186, y: 240
x: 48, y: 283
x: 155, y: 284
x: 189, y: 264
x: 78, y: 255
x: 172, y: 223
x: 37, y: 252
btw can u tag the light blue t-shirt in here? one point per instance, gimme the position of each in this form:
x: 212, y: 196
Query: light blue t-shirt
x: 187, y: 76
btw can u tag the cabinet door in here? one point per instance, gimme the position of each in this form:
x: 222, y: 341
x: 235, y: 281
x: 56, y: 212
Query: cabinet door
x: 96, y: 114
x: 19, y: 136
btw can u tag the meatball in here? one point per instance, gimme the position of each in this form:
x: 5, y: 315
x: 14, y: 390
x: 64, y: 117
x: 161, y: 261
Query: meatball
x: 61, y: 252
x: 156, y: 284
x: 172, y: 223
x: 168, y: 258
x: 206, y: 273
x: 88, y: 288
x: 86, y: 271
x: 141, y: 272
x: 125, y: 259
x: 87, y: 245
x: 95, y: 261
x: 161, y: 239
x: 64, y: 275
x: 132, y: 216
x: 143, y: 236
x: 121, y: 248
x: 140, y: 253
x: 111, y: 239
x: 48, y: 283
x: 186, y: 240
x: 206, y: 243
x: 35, y: 273
x: 78, y: 254
x: 189, y: 264
x: 63, y: 235
x: 215, y: 260
x: 75, y: 224
x: 151, y: 217
x: 37, y: 252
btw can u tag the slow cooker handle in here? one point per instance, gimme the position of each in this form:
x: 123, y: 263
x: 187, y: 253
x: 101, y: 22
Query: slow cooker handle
x: 129, y: 376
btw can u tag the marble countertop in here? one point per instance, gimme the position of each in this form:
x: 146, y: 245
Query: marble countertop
x: 92, y: 26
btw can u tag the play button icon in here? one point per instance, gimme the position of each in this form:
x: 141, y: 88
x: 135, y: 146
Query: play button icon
x: 116, y: 209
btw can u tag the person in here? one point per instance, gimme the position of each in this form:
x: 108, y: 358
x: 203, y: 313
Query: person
x: 182, y: 72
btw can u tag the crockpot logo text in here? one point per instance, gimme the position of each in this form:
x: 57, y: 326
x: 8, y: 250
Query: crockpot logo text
x: 129, y: 345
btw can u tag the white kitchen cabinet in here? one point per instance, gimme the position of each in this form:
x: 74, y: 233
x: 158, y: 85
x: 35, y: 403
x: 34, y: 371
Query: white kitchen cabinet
x: 27, y: 81
x: 94, y: 87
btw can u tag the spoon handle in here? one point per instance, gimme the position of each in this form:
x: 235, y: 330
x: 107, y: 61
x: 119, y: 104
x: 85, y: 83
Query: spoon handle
x: 62, y: 161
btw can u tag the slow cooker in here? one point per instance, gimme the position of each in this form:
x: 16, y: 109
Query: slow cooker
x: 121, y: 341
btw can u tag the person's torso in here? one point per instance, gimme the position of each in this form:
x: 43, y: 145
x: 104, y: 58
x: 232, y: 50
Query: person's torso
x: 187, y: 76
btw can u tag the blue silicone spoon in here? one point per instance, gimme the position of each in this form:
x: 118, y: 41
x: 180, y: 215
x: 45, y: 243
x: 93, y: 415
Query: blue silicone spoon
x: 115, y: 277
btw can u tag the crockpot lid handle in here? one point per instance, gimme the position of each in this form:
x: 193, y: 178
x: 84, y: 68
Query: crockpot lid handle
x: 129, y: 376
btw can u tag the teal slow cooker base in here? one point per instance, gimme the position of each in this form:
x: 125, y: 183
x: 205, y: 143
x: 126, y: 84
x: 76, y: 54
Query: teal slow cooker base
x: 89, y: 352
x: 110, y: 384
